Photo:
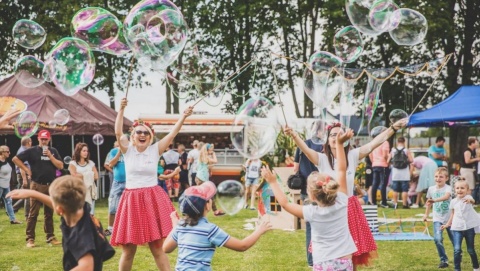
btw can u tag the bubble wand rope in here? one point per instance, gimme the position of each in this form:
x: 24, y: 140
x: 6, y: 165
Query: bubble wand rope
x: 430, y: 88
x: 132, y: 60
x: 223, y: 83
x: 276, y: 86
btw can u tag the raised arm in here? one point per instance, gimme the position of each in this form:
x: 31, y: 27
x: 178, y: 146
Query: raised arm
x: 246, y: 243
x: 293, y: 208
x: 342, y: 159
x: 27, y: 193
x: 119, y: 125
x: 378, y: 140
x: 312, y: 155
x: 10, y: 114
x: 163, y: 144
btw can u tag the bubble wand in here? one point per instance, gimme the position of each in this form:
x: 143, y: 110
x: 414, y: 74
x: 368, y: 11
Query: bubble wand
x: 132, y: 61
x: 278, y: 90
x: 224, y: 82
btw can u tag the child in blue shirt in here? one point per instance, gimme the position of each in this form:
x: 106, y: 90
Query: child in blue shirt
x: 195, y: 237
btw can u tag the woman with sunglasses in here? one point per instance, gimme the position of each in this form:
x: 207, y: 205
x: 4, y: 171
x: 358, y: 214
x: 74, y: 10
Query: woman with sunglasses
x: 326, y: 163
x: 81, y: 166
x: 5, y: 176
x: 143, y: 214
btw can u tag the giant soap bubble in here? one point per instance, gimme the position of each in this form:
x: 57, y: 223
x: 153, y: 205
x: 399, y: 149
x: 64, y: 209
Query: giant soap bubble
x: 29, y: 71
x: 28, y: 34
x: 230, y: 196
x: 255, y: 130
x: 396, y: 115
x: 26, y: 124
x: 119, y: 47
x: 380, y: 14
x: 358, y: 13
x: 96, y: 26
x: 409, y: 27
x: 70, y: 65
x: 348, y: 44
x: 318, y: 83
x: 61, y: 116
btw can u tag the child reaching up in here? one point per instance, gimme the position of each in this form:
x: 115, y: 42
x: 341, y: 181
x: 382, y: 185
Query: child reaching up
x: 197, y: 238
x: 438, y: 199
x: 332, y: 244
x: 462, y: 223
x: 84, y: 244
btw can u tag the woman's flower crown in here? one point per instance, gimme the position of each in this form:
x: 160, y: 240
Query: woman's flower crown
x: 143, y: 123
x: 333, y: 125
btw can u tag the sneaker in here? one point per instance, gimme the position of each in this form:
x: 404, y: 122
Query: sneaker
x: 443, y: 265
x: 30, y: 243
x: 246, y: 206
x: 383, y: 206
x: 253, y: 208
x: 53, y: 241
x: 15, y: 222
x: 414, y: 206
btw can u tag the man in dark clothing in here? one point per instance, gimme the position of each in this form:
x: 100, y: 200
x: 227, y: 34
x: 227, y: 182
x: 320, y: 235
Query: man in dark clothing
x: 43, y: 161
x: 302, y: 164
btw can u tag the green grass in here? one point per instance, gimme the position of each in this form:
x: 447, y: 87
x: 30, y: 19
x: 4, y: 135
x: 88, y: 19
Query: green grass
x: 276, y: 250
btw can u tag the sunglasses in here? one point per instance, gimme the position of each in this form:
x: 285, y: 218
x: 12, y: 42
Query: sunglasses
x: 7, y: 151
x: 138, y: 132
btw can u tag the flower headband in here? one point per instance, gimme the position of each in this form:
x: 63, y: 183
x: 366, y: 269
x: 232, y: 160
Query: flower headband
x: 321, y: 183
x: 143, y: 123
x: 333, y: 125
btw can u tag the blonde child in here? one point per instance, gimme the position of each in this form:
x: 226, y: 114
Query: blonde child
x: 84, y: 244
x: 332, y: 244
x: 197, y: 238
x: 438, y: 199
x: 463, y: 221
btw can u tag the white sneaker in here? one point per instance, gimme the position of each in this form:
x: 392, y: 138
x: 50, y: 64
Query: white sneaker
x: 414, y: 206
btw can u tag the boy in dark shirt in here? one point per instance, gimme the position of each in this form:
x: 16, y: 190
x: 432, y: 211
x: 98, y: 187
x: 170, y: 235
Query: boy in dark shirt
x: 84, y: 244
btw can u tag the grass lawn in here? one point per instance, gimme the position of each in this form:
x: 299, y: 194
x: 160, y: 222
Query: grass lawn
x: 276, y: 250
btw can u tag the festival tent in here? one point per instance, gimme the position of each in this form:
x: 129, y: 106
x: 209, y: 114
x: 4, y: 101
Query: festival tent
x: 88, y: 115
x: 462, y: 108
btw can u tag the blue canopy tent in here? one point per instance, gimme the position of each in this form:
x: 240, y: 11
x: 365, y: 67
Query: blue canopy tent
x: 462, y: 108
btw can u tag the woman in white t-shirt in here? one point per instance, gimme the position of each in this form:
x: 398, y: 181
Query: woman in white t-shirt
x: 81, y: 166
x: 143, y: 214
x: 332, y: 244
x: 326, y: 163
x: 463, y: 221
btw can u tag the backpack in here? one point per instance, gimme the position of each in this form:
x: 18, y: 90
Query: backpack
x: 400, y: 159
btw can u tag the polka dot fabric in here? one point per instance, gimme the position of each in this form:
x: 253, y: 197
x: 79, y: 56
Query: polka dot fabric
x: 143, y: 216
x: 361, y: 234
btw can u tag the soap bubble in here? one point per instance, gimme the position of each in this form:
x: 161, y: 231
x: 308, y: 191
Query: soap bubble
x: 67, y: 160
x: 348, y: 44
x: 97, y: 139
x: 61, y: 116
x: 380, y: 14
x: 358, y: 13
x: 70, y: 65
x: 29, y: 71
x: 396, y: 115
x: 52, y: 124
x: 317, y: 132
x: 318, y: 83
x: 26, y: 124
x: 377, y: 130
x: 230, y: 196
x: 119, y: 47
x: 255, y: 130
x: 96, y: 26
x: 28, y: 34
x: 197, y: 75
x: 409, y: 27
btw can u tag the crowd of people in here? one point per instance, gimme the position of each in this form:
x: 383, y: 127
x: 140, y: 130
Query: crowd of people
x: 147, y: 177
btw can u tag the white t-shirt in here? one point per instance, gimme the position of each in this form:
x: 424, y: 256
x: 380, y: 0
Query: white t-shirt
x: 331, y: 237
x: 464, y: 216
x: 141, y: 167
x: 400, y: 174
x: 325, y: 168
x: 195, y: 154
x: 171, y: 157
x: 254, y: 168
x: 441, y: 211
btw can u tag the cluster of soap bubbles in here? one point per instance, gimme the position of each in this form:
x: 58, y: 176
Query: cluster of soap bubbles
x: 373, y: 17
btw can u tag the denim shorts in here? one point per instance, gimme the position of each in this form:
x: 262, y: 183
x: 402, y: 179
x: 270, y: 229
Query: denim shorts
x: 116, y: 192
x: 400, y: 186
x: 251, y: 181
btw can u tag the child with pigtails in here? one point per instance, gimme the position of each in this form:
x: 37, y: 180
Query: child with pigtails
x: 332, y: 244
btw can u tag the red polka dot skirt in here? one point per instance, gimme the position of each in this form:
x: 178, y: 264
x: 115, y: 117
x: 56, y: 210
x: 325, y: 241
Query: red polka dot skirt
x: 143, y: 216
x: 361, y: 234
